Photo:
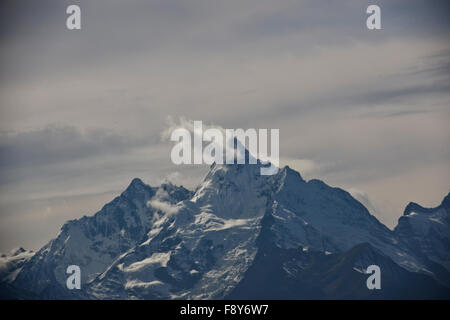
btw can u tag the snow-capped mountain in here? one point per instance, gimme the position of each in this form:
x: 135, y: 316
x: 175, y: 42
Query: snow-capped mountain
x: 427, y: 232
x: 199, y: 249
x: 315, y: 215
x: 93, y: 243
x: 237, y: 232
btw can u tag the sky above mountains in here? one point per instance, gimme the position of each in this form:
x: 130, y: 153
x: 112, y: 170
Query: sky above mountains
x: 83, y: 112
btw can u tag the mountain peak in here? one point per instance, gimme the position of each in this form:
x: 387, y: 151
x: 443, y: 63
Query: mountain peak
x: 136, y: 182
x: 287, y: 178
x: 289, y: 172
x: 136, y: 186
x: 414, y: 207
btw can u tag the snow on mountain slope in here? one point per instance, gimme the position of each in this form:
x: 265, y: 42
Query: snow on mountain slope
x: 94, y: 242
x: 233, y: 191
x: 427, y: 231
x: 211, y: 240
x: 207, y: 244
x: 313, y: 214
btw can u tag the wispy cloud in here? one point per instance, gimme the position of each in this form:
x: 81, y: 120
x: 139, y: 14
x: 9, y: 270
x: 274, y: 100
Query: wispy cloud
x: 160, y: 202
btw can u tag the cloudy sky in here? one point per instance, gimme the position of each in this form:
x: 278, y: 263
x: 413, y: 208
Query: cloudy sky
x: 82, y: 112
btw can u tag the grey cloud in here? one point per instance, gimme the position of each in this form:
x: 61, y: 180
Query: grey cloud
x: 113, y: 30
x: 400, y: 95
x: 58, y: 144
x: 400, y: 113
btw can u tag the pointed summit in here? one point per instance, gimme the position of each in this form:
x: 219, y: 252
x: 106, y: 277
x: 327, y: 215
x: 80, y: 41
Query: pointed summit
x: 290, y: 175
x: 137, y: 187
x: 136, y: 183
x: 234, y: 191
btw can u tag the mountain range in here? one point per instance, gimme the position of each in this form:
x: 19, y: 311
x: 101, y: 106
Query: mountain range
x: 238, y: 235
